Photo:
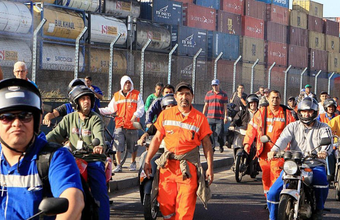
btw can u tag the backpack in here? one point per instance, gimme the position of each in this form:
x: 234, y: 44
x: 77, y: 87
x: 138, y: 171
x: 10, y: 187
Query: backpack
x: 90, y: 210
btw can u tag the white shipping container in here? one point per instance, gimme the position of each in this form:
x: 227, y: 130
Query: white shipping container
x: 12, y: 51
x: 15, y: 17
x: 105, y: 29
x: 121, y: 9
x: 87, y: 5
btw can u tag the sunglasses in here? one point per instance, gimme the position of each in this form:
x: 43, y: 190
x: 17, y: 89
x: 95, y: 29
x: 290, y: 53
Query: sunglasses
x: 24, y: 117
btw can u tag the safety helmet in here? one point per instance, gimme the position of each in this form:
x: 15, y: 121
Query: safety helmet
x: 19, y: 94
x: 79, y: 91
x: 308, y: 103
x: 329, y: 102
x: 75, y: 82
x: 168, y: 100
x: 252, y: 98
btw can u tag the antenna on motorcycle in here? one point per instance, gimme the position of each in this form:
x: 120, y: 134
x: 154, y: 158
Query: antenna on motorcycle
x: 52, y: 206
x: 138, y: 125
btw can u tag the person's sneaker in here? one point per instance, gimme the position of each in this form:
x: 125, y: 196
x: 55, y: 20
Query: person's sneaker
x: 133, y: 166
x: 221, y: 149
x: 118, y: 169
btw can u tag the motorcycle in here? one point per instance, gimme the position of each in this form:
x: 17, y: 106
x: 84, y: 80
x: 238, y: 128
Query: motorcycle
x: 51, y: 207
x: 297, y: 198
x: 243, y: 163
x: 151, y: 211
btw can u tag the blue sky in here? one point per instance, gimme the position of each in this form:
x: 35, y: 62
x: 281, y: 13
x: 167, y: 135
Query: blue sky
x: 331, y: 8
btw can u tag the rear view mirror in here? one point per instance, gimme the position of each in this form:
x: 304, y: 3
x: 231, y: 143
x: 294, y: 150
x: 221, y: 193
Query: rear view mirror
x: 265, y: 139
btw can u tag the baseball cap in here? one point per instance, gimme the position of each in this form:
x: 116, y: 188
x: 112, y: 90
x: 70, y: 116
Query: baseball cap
x: 323, y: 92
x: 185, y: 85
x: 291, y: 98
x: 215, y: 82
x: 308, y: 86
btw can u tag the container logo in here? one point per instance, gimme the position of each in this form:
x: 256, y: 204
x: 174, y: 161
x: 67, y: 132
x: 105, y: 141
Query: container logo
x: 284, y: 2
x: 163, y: 13
x: 255, y: 29
x: 202, y: 19
x: 109, y: 30
x: 126, y: 6
x: 234, y: 6
x: 64, y: 24
x: 189, y: 41
x: 8, y: 55
x: 187, y: 71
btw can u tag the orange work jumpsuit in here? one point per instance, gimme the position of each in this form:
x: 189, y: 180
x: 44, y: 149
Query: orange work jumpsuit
x: 275, y: 124
x: 177, y: 197
x: 126, y: 106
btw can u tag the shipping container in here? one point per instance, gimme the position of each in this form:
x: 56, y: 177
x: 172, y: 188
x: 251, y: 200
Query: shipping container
x: 221, y: 42
x: 278, y: 14
x: 182, y: 70
x: 298, y: 19
x: 87, y: 5
x: 233, y: 6
x: 331, y: 28
x: 185, y: 1
x: 59, y: 57
x: 229, y: 23
x: 315, y: 24
x: 255, y: 9
x: 334, y: 62
x: 155, y: 68
x: 215, y: 4
x: 15, y: 18
x: 309, y: 7
x: 298, y: 36
x: 293, y: 81
x: 189, y: 40
x: 276, y: 32
x: 252, y: 49
x: 277, y: 79
x: 104, y: 29
x: 259, y: 76
x: 332, y: 44
x: 121, y: 8
x: 160, y: 36
x: 99, y: 61
x: 199, y: 17
x: 167, y: 12
x: 276, y: 52
x: 316, y: 40
x: 225, y: 70
x: 297, y: 56
x: 281, y: 3
x: 265, y: 1
x: 318, y: 60
x: 12, y: 51
x: 252, y: 27
x: 61, y: 23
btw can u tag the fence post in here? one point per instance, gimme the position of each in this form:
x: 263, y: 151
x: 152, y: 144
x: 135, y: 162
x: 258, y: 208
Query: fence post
x: 285, y: 87
x: 194, y: 70
x: 270, y: 74
x: 329, y: 83
x: 76, y: 55
x: 252, y: 77
x: 215, y: 64
x: 301, y: 77
x: 316, y: 82
x: 234, y: 73
x: 35, y: 38
x: 169, y: 64
x: 142, y: 67
x: 109, y: 95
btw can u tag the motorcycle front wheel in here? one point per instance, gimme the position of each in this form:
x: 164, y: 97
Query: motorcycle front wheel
x: 148, y: 213
x: 286, y: 208
x: 337, y: 184
x: 240, y: 168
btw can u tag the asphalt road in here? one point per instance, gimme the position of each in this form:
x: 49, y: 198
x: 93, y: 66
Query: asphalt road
x: 231, y: 200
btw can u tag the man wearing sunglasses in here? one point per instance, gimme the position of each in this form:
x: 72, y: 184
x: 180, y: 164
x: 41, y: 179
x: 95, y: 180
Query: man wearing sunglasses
x: 21, y: 188
x: 80, y: 128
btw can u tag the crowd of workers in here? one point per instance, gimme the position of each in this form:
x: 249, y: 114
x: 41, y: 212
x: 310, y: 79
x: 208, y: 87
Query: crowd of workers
x: 181, y: 129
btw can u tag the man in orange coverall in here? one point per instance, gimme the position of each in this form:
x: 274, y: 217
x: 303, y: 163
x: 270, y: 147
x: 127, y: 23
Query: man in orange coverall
x: 271, y: 121
x: 183, y: 129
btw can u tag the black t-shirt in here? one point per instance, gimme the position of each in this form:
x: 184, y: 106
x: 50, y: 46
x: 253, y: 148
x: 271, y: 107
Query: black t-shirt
x: 237, y: 101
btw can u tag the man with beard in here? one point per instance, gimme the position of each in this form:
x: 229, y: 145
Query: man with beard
x: 80, y: 128
x: 183, y: 129
x: 268, y: 120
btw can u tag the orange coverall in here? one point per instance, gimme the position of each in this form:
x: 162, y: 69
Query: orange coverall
x: 274, y: 126
x: 177, y: 197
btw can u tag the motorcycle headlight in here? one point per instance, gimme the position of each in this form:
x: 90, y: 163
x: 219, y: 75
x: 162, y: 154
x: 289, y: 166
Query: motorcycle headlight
x: 290, y: 167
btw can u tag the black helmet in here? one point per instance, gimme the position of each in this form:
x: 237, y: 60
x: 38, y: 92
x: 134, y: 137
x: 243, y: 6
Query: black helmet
x: 79, y: 91
x: 19, y: 94
x: 308, y: 103
x: 168, y: 100
x: 329, y: 102
x: 75, y: 82
x: 252, y: 98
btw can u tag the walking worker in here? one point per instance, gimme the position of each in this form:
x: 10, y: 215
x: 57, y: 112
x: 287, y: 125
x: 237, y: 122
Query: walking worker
x: 268, y: 120
x: 128, y: 104
x: 22, y: 188
x: 239, y: 98
x: 183, y: 129
x: 216, y: 108
x: 157, y: 94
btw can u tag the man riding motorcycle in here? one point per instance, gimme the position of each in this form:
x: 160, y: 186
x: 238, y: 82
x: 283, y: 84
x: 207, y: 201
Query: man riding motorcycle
x: 81, y: 127
x: 304, y: 135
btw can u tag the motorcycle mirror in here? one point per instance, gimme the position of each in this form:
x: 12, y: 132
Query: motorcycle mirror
x: 47, y: 108
x: 264, y: 139
x: 52, y: 206
x: 325, y: 141
x: 137, y: 125
x: 95, y: 142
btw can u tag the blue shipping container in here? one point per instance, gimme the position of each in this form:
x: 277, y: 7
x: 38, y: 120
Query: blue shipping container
x: 282, y: 3
x: 167, y: 12
x: 222, y: 42
x: 209, y: 3
x: 146, y: 10
x: 265, y: 1
x: 189, y: 40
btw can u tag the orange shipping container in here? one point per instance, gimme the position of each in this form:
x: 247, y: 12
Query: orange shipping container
x: 199, y: 17
x: 233, y: 6
x: 252, y: 27
x: 276, y: 52
x: 278, y: 14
